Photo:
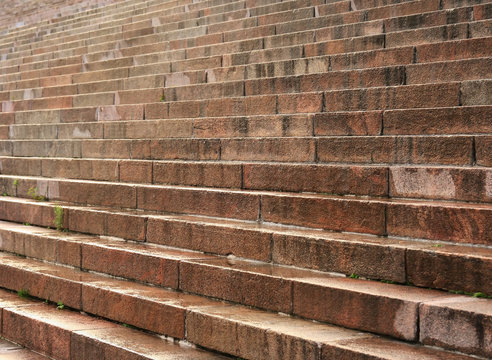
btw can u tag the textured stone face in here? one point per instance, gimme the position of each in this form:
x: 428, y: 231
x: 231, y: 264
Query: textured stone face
x: 302, y: 179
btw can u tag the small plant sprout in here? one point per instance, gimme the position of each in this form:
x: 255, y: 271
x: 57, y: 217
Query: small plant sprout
x: 481, y: 295
x: 60, y: 305
x: 23, y: 293
x: 128, y: 326
x: 354, y: 276
x: 16, y: 182
x: 473, y: 294
x: 58, y: 222
x: 33, y: 192
x: 163, y: 98
x: 387, y: 281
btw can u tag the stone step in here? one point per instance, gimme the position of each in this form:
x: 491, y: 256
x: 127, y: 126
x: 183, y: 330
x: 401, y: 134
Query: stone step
x: 253, y: 176
x: 189, y: 19
x: 419, y: 182
x: 31, y: 14
x: 106, y: 16
x: 388, y: 76
x: 9, y: 350
x: 362, y: 60
x: 77, y: 67
x: 62, y: 334
x: 111, y: 298
x: 117, y: 122
x: 132, y: 26
x: 319, y: 35
x: 254, y: 12
x: 453, y: 150
x: 437, y: 121
x: 157, y: 6
x: 457, y: 222
x: 435, y: 95
x: 52, y: 74
x: 131, y: 47
x: 450, y: 50
x: 398, y: 260
x: 435, y: 34
x: 225, y: 167
x: 460, y: 70
x: 458, y: 150
x: 133, y: 52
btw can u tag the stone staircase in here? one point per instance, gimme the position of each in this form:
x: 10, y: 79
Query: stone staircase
x: 298, y: 179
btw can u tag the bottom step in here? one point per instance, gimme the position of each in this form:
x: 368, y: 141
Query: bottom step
x: 69, y: 335
x: 210, y: 324
x: 11, y: 351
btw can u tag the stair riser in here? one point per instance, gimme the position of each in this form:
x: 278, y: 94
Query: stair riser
x: 458, y: 150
